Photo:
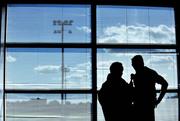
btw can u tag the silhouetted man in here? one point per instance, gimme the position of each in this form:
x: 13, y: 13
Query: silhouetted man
x: 115, y: 95
x: 145, y: 92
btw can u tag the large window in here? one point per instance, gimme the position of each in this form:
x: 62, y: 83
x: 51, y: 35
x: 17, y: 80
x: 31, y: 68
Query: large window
x: 47, y: 68
x: 48, y: 74
x: 55, y: 57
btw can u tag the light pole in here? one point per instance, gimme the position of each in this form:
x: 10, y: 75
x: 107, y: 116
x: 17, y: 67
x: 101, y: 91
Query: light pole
x: 62, y: 23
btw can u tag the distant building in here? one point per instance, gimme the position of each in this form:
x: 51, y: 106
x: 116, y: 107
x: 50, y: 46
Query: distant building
x: 38, y: 101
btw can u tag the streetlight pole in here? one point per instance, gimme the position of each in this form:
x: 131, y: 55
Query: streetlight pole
x: 62, y: 23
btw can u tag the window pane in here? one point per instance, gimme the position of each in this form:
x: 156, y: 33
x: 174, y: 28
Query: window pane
x: 43, y: 68
x: 48, y: 107
x: 77, y: 68
x: 162, y: 25
x: 37, y: 68
x: 142, y: 25
x: 163, y: 62
x: 167, y: 110
x: 48, y: 23
x: 111, y: 24
x: 137, y: 25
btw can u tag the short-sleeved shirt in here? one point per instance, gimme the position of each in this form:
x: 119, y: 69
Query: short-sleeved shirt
x: 145, y: 91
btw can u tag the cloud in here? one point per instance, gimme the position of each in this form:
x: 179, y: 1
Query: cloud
x: 10, y: 59
x: 84, y: 29
x: 104, y: 65
x: 162, y: 34
x: 80, y: 71
x: 79, y: 75
x: 161, y: 59
x: 76, y: 76
x: 45, y: 69
x: 137, y: 34
x: 168, y: 61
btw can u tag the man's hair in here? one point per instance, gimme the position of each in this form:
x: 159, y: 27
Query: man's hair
x: 116, y: 66
x: 138, y: 58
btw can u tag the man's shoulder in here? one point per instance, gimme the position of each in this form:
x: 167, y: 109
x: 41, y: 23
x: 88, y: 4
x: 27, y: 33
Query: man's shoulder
x: 147, y: 69
x: 106, y: 84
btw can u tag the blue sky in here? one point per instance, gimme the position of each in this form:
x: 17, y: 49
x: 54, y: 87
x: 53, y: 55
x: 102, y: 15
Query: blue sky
x: 34, y: 23
x: 39, y: 68
x: 148, y: 24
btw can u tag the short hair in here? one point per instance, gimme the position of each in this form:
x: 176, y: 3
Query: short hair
x: 138, y: 58
x: 116, y: 66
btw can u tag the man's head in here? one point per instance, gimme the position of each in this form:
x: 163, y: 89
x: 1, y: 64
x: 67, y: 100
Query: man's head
x: 137, y: 62
x: 116, y: 68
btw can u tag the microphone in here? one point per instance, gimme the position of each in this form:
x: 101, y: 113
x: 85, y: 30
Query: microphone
x: 132, y: 78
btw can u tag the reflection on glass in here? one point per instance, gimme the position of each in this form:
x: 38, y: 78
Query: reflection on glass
x: 41, y: 23
x: 77, y: 68
x: 128, y: 24
x: 33, y: 68
x: 46, y: 107
x: 163, y: 61
x: 167, y: 110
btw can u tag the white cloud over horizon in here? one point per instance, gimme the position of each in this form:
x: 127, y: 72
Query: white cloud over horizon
x: 165, y: 61
x: 137, y: 34
x: 76, y: 76
x: 10, y: 59
x: 45, y: 69
x: 80, y: 71
x: 85, y: 29
x: 165, y: 65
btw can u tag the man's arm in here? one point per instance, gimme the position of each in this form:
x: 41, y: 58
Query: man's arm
x: 164, y: 86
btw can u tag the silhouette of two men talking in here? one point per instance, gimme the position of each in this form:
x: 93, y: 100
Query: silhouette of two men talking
x: 134, y: 101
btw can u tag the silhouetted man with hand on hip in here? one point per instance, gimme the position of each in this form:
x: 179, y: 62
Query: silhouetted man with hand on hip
x: 115, y: 95
x: 144, y: 91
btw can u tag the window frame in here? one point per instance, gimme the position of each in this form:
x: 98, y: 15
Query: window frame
x: 92, y: 45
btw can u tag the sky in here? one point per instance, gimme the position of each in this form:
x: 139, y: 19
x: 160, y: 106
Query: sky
x: 37, y: 68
